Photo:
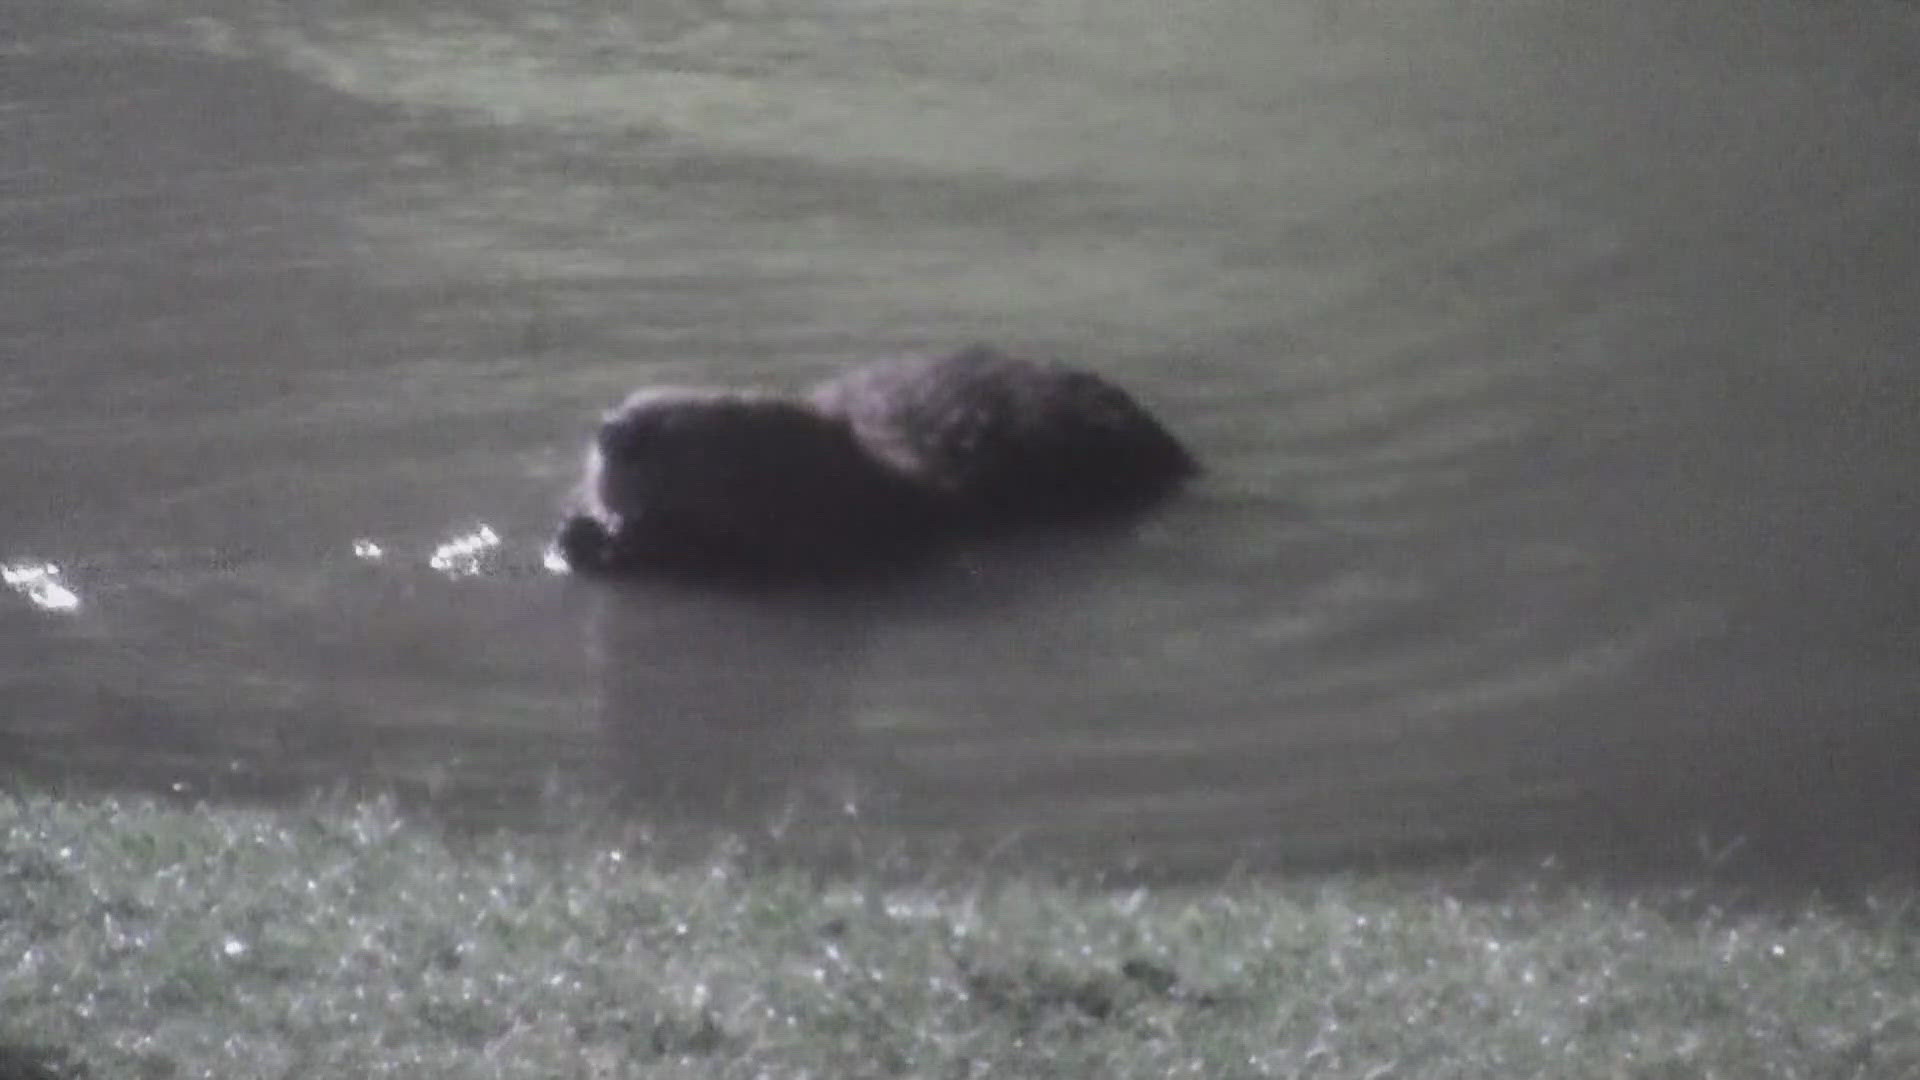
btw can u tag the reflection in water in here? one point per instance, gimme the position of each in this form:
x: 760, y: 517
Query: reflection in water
x: 734, y: 706
x: 727, y: 706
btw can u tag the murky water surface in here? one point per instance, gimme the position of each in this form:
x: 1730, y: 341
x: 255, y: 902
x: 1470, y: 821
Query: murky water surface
x: 1554, y: 364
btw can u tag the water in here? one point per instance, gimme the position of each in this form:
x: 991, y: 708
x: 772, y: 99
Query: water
x: 1553, y: 365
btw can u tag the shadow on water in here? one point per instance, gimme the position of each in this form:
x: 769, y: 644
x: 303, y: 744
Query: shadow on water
x: 720, y: 706
x: 739, y: 700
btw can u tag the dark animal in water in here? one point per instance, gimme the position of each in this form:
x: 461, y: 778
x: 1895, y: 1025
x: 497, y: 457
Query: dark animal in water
x: 881, y: 463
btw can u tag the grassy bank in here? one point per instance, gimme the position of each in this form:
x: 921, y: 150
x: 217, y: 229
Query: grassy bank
x: 143, y: 940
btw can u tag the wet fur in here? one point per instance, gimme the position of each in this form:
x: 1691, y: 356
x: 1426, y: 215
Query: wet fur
x: 879, y: 464
x: 1008, y: 441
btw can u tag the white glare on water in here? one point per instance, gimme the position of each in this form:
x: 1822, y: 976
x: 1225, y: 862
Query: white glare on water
x: 40, y: 583
x: 465, y: 556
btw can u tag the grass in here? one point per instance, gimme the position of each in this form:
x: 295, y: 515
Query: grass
x: 140, y: 939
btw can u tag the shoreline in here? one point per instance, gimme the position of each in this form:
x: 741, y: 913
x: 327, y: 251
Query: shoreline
x: 347, y: 939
